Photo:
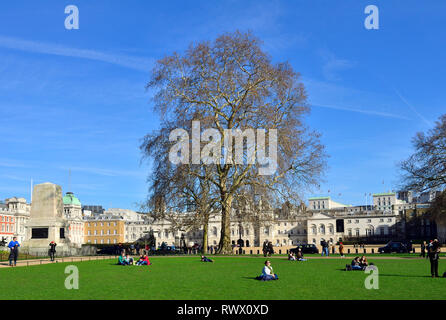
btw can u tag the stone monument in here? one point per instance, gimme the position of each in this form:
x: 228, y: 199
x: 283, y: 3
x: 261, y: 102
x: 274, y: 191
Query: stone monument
x: 47, y: 221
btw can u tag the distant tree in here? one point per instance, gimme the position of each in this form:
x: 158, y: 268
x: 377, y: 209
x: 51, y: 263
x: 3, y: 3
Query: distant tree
x: 426, y: 168
x: 231, y: 84
x: 437, y: 210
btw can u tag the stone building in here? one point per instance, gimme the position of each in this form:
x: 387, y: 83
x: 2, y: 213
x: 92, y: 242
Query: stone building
x: 104, y: 229
x: 73, y: 214
x: 18, y: 210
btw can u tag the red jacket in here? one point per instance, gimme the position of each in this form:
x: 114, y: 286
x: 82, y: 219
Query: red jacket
x: 146, y: 258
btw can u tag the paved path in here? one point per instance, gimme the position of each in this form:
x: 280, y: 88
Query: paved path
x: 33, y: 262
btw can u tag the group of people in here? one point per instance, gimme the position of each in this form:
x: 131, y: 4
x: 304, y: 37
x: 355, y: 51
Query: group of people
x: 126, y: 260
x: 299, y: 256
x: 268, y: 248
x: 358, y: 264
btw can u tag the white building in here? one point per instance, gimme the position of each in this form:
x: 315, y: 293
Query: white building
x: 385, y: 201
x: 324, y: 203
x: 20, y: 210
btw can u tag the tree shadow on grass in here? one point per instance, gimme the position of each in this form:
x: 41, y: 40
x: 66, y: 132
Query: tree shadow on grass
x: 250, y: 278
x: 403, y: 275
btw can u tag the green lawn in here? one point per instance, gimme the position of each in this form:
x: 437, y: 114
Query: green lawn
x: 228, y: 278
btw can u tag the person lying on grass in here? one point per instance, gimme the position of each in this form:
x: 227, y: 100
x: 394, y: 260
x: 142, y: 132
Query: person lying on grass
x: 204, y: 259
x: 143, y: 261
x: 268, y: 273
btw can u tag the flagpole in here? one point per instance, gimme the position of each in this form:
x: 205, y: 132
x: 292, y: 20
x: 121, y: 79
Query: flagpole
x: 31, y: 190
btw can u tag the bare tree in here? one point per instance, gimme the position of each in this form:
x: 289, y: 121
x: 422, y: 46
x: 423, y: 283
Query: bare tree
x: 177, y: 195
x: 426, y: 168
x: 231, y: 84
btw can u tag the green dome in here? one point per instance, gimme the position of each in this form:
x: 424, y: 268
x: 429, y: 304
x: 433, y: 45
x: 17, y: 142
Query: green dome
x: 70, y: 199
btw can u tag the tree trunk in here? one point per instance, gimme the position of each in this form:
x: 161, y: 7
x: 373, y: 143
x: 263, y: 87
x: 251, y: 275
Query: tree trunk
x: 225, y: 238
x: 205, y: 235
x: 441, y: 230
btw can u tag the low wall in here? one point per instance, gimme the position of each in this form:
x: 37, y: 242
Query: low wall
x: 347, y: 249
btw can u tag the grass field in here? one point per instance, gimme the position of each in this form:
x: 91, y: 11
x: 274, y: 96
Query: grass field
x: 228, y: 278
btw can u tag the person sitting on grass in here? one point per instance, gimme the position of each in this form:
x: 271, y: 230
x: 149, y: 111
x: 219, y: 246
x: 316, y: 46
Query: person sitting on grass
x: 267, y: 273
x: 356, y: 264
x: 121, y: 260
x: 292, y: 257
x: 143, y: 261
x: 363, y: 262
x: 205, y: 259
x: 300, y: 255
x: 128, y: 260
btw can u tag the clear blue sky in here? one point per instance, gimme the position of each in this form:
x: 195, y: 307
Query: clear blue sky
x: 76, y: 98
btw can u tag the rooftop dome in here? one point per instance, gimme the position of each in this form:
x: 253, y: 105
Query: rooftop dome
x: 70, y: 199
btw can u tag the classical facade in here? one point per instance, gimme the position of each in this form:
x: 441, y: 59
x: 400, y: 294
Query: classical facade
x: 106, y: 228
x: 17, y: 210
x: 73, y: 213
x: 392, y: 215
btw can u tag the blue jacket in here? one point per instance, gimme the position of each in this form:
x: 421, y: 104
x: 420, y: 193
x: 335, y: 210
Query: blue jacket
x: 12, y: 244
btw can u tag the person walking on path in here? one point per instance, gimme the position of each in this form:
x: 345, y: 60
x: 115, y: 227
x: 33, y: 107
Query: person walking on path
x: 270, y: 249
x: 265, y: 248
x: 14, y: 251
x: 423, y: 249
x: 324, y: 245
x: 341, y: 249
x: 52, y: 250
x: 434, y: 256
